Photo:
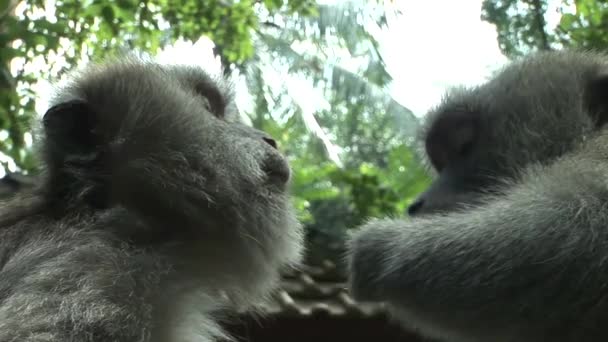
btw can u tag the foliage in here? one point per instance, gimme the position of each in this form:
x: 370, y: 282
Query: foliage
x: 337, y: 199
x: 350, y: 147
x: 586, y: 27
x: 351, y: 154
x: 522, y: 25
x: 72, y: 29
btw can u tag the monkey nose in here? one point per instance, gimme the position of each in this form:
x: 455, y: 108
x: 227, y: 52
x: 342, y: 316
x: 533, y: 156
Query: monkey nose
x: 276, y: 169
x: 415, y: 207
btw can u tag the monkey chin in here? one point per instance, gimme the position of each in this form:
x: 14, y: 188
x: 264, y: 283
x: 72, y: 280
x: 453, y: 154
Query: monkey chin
x: 223, y: 275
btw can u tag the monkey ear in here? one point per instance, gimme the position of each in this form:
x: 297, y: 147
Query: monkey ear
x: 597, y: 99
x: 71, y: 125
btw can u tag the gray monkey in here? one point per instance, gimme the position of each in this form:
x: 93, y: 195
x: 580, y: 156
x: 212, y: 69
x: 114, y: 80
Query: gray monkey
x: 156, y: 212
x: 510, y: 242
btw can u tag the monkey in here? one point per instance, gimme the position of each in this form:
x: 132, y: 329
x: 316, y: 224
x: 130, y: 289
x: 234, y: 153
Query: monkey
x: 510, y: 241
x: 157, y: 213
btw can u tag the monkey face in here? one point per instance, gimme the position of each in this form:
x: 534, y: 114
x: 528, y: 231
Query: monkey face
x: 481, y: 139
x: 166, y: 143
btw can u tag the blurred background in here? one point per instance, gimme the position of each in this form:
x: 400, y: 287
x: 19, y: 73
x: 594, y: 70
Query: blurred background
x: 341, y: 85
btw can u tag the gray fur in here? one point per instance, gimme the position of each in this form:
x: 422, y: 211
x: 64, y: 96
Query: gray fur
x: 510, y: 244
x: 175, y: 214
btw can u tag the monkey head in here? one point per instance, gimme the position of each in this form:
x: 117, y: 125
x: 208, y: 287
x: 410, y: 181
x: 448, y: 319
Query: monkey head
x: 478, y: 140
x: 165, y: 142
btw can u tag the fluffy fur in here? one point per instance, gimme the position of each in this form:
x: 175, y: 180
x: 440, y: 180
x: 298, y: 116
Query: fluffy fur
x: 510, y: 243
x: 157, y: 210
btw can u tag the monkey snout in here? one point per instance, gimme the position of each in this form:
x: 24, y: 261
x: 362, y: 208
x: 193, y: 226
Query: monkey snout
x: 276, y: 168
x: 415, y: 207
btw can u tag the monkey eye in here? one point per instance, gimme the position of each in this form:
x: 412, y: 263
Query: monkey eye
x: 206, y: 103
x: 214, y: 100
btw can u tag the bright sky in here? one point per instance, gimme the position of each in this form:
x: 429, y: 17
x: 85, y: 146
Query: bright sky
x: 432, y: 45
x: 435, y: 44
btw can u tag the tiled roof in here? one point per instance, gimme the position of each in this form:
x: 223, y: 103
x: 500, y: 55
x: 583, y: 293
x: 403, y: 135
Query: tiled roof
x: 313, y: 305
x: 318, y: 290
